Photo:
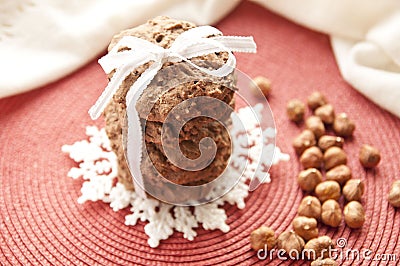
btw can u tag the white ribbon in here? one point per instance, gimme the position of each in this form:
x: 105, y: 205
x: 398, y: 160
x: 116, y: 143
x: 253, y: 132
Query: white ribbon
x: 192, y: 43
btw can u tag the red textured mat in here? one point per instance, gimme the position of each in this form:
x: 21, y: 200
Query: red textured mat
x: 42, y: 223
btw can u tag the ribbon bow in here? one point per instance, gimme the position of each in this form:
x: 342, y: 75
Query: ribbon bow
x: 189, y: 44
x: 192, y: 43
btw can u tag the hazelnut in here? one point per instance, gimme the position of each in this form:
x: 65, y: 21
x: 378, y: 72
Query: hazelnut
x: 310, y: 207
x: 331, y: 213
x: 340, y: 174
x: 394, y: 194
x: 291, y: 243
x: 328, y: 190
x: 353, y: 190
x: 324, y: 262
x: 261, y: 237
x: 295, y: 110
x: 305, y: 227
x: 369, y: 156
x: 326, y: 113
x: 312, y: 158
x: 354, y: 214
x: 318, y: 248
x: 314, y: 123
x: 304, y: 141
x: 325, y: 142
x: 334, y: 156
x: 343, y: 126
x: 315, y: 100
x: 309, y: 179
x: 263, y: 84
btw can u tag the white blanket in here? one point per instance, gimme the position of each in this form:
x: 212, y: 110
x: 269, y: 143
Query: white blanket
x: 44, y: 40
x: 365, y: 37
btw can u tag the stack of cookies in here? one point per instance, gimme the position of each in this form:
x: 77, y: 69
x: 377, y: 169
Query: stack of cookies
x: 155, y: 104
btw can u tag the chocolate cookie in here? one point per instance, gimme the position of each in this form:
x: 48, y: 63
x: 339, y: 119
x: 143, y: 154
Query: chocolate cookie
x: 190, y: 149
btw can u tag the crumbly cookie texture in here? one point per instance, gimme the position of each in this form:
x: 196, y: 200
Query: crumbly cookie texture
x: 156, y: 103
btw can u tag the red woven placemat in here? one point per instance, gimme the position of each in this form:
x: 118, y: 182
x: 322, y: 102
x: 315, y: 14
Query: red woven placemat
x: 42, y: 223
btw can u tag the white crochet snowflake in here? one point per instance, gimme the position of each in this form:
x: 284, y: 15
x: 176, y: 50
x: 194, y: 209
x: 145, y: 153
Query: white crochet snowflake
x: 98, y: 166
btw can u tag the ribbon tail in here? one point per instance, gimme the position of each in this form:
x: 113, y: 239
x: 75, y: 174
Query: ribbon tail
x: 195, y: 33
x: 113, y: 61
x: 237, y: 43
x: 142, y: 82
x: 134, y: 136
x: 198, y: 49
x: 223, y: 71
x: 101, y: 103
x: 116, y: 80
x: 207, y: 46
x: 188, y: 48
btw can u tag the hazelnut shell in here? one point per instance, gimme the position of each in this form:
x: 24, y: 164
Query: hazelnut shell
x: 341, y: 174
x: 320, y: 246
x: 290, y: 242
x: 354, y: 214
x: 263, y: 84
x: 261, y: 237
x: 326, y: 113
x: 331, y: 213
x: 305, y: 140
x: 326, y: 141
x: 343, y: 126
x: 394, y: 194
x: 353, y: 190
x: 334, y: 156
x: 369, y: 156
x: 312, y: 158
x: 295, y: 110
x: 315, y: 100
x: 308, y: 179
x: 315, y: 124
x: 305, y: 227
x: 328, y: 190
x: 310, y: 206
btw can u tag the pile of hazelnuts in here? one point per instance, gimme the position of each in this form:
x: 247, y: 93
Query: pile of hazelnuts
x: 319, y: 152
x: 316, y: 149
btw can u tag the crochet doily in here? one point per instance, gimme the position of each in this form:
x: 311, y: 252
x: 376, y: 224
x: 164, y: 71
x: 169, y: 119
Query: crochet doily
x: 98, y: 166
